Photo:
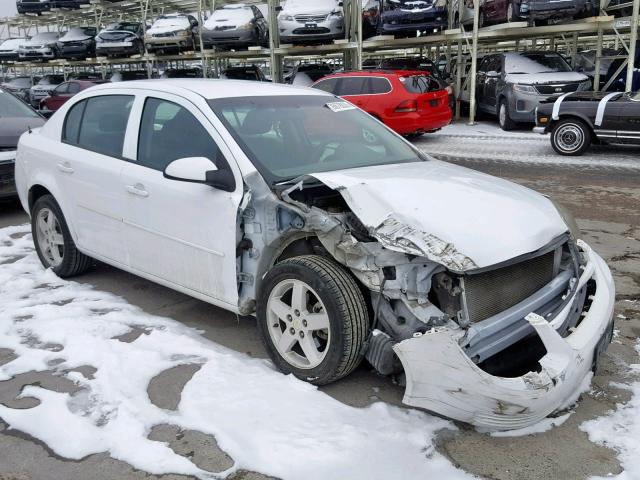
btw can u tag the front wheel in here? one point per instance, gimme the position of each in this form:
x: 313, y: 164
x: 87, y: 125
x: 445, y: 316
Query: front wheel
x: 52, y: 238
x: 313, y: 319
x: 570, y: 137
x: 504, y: 119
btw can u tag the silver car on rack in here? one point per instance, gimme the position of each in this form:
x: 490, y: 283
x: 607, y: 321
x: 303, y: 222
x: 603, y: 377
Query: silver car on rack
x: 304, y: 21
x: 42, y: 46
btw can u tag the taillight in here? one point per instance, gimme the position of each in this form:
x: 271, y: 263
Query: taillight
x: 407, y: 106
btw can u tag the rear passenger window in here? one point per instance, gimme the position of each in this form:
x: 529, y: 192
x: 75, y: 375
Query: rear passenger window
x: 378, y: 86
x: 74, y: 88
x: 420, y: 84
x: 352, y: 86
x: 330, y: 85
x: 104, y: 124
x: 169, y: 132
x: 72, y: 123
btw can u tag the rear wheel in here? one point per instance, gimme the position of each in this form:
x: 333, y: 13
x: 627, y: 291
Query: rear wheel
x: 503, y: 116
x: 570, y: 137
x: 313, y: 319
x: 54, y: 244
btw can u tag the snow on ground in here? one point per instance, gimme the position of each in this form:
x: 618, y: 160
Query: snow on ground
x: 620, y: 428
x: 265, y: 421
x: 485, y: 141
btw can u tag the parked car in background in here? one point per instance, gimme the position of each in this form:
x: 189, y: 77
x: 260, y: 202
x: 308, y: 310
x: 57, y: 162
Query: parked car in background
x: 512, y: 85
x: 42, y: 89
x: 62, y: 93
x: 19, y: 86
x: 71, y: 4
x: 16, y: 117
x: 585, y: 62
x: 129, y: 75
x: 405, y: 18
x: 172, y: 33
x: 588, y: 117
x: 90, y: 76
x: 235, y: 26
x: 120, y: 39
x: 33, y: 6
x: 411, y: 103
x: 78, y: 42
x: 620, y: 8
x: 9, y: 49
x: 302, y: 21
x: 248, y: 72
x: 491, y: 12
x: 307, y: 74
x: 618, y: 73
x: 541, y: 11
x: 371, y: 11
x: 484, y: 292
x: 42, y: 46
x: 195, y: 72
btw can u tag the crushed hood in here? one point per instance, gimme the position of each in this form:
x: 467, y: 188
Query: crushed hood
x: 458, y: 217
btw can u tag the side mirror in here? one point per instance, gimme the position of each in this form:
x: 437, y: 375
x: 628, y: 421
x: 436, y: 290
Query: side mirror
x: 200, y: 170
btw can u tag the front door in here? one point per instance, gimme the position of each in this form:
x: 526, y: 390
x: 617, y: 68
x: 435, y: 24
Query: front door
x: 179, y: 232
x: 629, y: 119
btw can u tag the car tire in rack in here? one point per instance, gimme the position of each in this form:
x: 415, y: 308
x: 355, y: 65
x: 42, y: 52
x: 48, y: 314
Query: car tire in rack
x: 571, y: 137
x: 53, y: 242
x: 313, y: 319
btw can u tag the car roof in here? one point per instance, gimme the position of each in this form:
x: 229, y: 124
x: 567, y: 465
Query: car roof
x: 212, y: 89
x: 378, y: 73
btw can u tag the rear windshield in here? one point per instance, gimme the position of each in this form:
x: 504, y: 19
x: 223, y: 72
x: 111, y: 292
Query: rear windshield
x: 420, y: 84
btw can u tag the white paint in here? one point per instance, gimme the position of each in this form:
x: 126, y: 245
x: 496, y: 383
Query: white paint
x: 542, y: 426
x: 265, y: 421
x: 555, y: 113
x: 602, y: 105
x: 487, y: 219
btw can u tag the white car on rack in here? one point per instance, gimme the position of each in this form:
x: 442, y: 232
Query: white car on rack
x: 344, y: 240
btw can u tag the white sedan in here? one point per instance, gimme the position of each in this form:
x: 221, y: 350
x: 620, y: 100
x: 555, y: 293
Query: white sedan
x: 343, y: 240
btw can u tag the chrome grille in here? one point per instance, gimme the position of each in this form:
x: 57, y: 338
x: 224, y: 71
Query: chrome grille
x: 489, y: 293
x: 310, y: 18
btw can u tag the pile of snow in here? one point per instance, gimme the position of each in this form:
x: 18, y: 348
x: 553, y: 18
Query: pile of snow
x: 620, y: 428
x: 265, y: 421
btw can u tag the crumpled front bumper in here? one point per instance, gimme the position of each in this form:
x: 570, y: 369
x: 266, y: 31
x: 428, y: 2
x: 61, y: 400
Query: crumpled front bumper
x: 443, y: 379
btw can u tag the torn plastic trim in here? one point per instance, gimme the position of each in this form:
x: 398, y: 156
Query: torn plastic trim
x: 443, y: 379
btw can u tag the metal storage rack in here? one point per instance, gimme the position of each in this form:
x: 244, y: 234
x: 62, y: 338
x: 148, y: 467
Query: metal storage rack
x: 594, y: 32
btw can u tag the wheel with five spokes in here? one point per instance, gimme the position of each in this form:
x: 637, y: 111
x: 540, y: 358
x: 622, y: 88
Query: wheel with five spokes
x: 54, y: 244
x: 313, y: 319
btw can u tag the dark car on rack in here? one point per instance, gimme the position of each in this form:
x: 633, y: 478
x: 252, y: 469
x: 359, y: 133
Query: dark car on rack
x: 407, y: 18
x: 542, y: 11
x: 194, y: 72
x: 33, y: 6
x: 248, y: 72
x: 71, y: 4
x: 16, y: 117
x: 120, y: 39
x: 512, y: 85
x: 580, y: 119
x: 78, y: 42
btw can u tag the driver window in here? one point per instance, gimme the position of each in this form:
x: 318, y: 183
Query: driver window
x: 60, y: 89
x: 169, y: 132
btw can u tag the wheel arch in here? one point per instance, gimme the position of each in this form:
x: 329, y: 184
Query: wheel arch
x: 574, y: 116
x: 40, y: 188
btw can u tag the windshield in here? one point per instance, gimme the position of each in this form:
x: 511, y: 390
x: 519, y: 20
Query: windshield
x: 536, y: 63
x: 315, y: 5
x: 43, y: 37
x: 20, y: 82
x: 290, y: 136
x: 12, y: 44
x: 11, y: 107
x: 230, y: 16
x: 181, y: 22
x: 129, y: 27
x: 51, y: 80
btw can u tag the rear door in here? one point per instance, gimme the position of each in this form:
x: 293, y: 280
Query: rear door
x: 180, y: 233
x: 353, y: 88
x: 59, y: 97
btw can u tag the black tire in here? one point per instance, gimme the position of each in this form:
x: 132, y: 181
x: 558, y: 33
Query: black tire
x: 504, y: 120
x: 571, y: 137
x: 344, y: 305
x: 73, y: 261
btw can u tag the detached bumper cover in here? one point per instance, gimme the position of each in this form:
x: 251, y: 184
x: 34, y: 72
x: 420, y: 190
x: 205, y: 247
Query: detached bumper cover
x: 443, y: 379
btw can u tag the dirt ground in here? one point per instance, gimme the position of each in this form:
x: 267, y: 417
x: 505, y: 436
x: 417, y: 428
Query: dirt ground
x: 606, y: 203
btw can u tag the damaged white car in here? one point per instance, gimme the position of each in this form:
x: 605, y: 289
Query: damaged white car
x: 343, y: 240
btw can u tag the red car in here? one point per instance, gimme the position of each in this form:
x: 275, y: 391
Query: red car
x: 62, y: 93
x: 409, y: 102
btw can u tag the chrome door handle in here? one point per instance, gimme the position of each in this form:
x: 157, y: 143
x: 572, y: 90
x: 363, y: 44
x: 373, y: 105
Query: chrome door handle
x: 137, y: 189
x: 65, y: 167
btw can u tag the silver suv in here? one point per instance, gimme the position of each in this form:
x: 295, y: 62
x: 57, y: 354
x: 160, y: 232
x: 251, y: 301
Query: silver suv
x: 511, y: 85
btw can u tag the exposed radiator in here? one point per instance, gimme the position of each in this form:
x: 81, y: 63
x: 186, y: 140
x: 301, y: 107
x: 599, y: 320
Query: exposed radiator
x: 489, y: 293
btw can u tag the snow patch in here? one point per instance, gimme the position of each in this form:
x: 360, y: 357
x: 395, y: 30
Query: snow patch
x: 265, y: 421
x: 619, y: 429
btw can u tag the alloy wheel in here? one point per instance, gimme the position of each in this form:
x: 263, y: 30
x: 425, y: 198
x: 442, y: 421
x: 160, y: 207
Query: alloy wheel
x: 50, y: 238
x: 569, y: 137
